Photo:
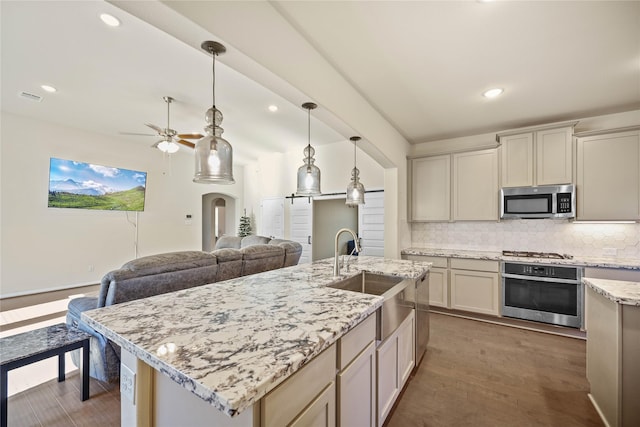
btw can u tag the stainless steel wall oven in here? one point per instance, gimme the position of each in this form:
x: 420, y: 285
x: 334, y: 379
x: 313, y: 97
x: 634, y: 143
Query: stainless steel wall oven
x: 544, y: 293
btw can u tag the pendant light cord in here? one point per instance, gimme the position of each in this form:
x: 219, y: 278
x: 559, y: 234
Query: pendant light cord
x: 213, y: 86
x: 308, y: 138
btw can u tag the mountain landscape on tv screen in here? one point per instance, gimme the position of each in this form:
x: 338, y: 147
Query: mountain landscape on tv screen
x: 88, y: 186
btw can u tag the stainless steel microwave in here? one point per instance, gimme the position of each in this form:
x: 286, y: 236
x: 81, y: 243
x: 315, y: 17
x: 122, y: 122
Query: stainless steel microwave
x: 548, y: 201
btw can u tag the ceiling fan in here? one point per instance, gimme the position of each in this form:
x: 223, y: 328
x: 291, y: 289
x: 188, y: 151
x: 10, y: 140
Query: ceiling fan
x: 171, y: 138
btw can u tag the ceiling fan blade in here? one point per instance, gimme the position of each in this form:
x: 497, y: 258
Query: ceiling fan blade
x: 137, y: 134
x: 189, y: 135
x: 186, y: 143
x: 154, y: 127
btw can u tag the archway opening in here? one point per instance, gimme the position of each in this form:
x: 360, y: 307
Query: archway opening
x: 218, y: 218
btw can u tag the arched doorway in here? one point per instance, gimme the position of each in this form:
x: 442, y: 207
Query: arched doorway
x: 218, y: 218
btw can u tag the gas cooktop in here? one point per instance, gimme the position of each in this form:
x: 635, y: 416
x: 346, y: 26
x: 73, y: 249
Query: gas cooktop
x: 529, y: 254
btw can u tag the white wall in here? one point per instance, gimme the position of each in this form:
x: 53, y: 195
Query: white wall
x: 276, y: 175
x: 44, y: 248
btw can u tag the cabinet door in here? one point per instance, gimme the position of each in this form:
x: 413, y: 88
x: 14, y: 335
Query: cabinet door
x: 475, y: 186
x: 517, y: 160
x: 553, y: 156
x: 438, y: 287
x: 608, y: 179
x: 406, y: 349
x: 321, y: 412
x: 357, y: 390
x: 388, y: 381
x: 477, y: 291
x: 430, y: 188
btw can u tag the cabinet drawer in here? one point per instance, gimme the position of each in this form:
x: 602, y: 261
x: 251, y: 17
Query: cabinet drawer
x: 286, y: 401
x: 475, y: 264
x: 437, y: 261
x: 356, y: 340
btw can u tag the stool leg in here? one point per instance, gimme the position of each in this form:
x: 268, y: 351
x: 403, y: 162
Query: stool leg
x: 61, y: 374
x: 3, y: 397
x: 85, y: 370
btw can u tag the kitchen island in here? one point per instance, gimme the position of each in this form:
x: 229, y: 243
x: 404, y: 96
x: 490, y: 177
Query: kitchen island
x: 228, y: 344
x: 613, y: 346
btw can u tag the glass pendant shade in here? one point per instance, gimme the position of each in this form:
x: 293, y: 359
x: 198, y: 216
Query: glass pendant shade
x: 355, y: 189
x: 308, y: 175
x: 214, y: 155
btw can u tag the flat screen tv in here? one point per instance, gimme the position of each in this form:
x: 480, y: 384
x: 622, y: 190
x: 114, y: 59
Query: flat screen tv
x: 87, y: 186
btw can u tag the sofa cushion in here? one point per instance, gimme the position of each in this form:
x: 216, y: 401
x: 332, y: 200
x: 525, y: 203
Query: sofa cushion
x: 292, y: 251
x: 229, y: 263
x: 254, y: 240
x: 232, y: 242
x: 259, y: 258
x: 171, y: 261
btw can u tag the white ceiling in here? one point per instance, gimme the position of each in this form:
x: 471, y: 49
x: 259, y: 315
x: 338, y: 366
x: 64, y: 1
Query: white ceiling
x: 421, y: 64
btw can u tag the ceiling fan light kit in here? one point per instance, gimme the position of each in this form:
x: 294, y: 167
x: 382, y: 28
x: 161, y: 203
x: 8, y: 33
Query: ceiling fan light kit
x: 214, y: 155
x: 355, y: 189
x: 308, y: 173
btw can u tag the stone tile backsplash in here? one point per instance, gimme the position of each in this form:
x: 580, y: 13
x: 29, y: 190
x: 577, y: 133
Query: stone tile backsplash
x: 578, y: 239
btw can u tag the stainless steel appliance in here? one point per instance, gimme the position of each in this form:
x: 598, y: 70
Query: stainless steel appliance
x: 543, y: 292
x: 548, y: 201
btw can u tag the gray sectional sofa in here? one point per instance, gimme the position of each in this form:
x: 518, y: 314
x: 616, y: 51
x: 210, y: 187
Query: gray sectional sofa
x: 158, y: 274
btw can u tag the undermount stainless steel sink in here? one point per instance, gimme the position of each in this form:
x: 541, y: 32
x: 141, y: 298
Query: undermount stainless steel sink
x: 368, y: 283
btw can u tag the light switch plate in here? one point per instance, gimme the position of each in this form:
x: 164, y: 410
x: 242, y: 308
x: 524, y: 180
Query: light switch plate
x: 127, y: 384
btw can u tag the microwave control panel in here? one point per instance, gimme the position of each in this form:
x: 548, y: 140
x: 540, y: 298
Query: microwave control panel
x: 564, y: 202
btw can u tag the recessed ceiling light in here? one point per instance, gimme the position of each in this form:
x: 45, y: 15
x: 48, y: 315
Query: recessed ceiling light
x: 492, y: 93
x: 110, y: 20
x: 273, y: 108
x: 48, y: 88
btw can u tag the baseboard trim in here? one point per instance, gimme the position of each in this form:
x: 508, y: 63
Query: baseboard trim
x: 597, y: 408
x: 514, y: 323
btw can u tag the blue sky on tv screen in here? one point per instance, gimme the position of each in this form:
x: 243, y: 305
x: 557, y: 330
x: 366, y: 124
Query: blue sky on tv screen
x: 86, y: 178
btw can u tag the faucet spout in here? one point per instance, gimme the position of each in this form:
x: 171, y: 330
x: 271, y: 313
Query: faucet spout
x: 336, y: 258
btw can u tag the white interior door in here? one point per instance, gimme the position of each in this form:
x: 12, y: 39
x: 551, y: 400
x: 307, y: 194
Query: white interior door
x: 273, y: 217
x: 301, y: 224
x: 371, y: 224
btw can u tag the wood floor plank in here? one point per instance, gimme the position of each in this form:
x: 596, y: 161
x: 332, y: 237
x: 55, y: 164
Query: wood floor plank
x: 480, y: 374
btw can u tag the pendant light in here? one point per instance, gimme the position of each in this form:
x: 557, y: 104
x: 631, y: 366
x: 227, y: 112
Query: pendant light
x: 214, y: 155
x: 355, y: 189
x: 308, y: 173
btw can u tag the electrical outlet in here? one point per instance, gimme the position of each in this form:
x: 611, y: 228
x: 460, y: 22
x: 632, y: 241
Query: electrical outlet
x: 127, y: 383
x: 609, y: 251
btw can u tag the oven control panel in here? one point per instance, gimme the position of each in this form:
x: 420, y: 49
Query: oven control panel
x: 537, y: 270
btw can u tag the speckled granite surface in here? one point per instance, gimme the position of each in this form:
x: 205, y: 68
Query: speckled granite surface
x: 23, y: 345
x: 631, y: 264
x: 231, y: 342
x: 619, y: 291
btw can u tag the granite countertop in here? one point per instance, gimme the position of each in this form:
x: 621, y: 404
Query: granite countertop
x: 601, y: 262
x: 231, y: 342
x: 619, y: 291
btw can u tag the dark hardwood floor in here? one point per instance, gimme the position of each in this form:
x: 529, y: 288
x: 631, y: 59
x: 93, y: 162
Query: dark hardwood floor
x: 474, y: 374
x: 480, y: 374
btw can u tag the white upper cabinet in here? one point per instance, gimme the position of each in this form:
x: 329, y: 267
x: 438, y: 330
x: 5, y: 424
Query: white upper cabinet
x: 608, y: 176
x: 541, y: 157
x: 475, y: 186
x: 430, y: 180
x: 517, y: 160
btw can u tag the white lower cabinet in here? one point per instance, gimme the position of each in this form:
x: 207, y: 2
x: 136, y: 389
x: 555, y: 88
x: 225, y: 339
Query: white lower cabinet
x: 357, y: 391
x: 357, y: 376
x: 395, y: 360
x: 308, y: 398
x: 438, y: 279
x: 475, y: 286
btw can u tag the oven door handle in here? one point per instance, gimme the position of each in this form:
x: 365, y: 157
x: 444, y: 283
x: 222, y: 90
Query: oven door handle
x: 540, y: 279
